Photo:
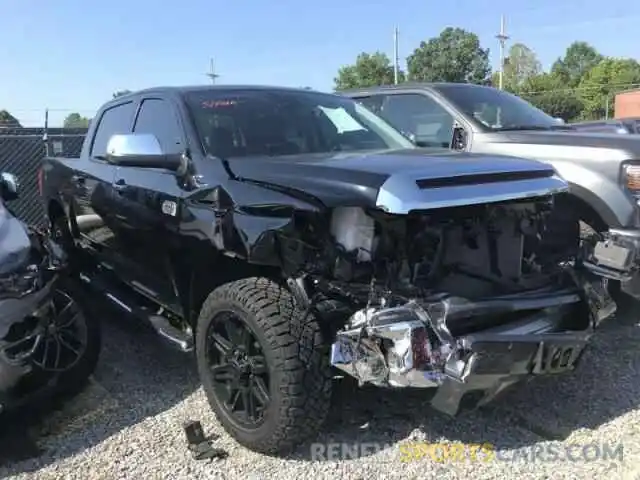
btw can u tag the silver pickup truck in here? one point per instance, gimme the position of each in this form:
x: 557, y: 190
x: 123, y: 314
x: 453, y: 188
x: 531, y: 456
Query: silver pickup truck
x: 603, y: 170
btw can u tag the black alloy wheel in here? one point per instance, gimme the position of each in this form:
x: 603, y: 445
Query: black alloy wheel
x: 64, y: 335
x: 58, y: 341
x: 264, y: 365
x: 238, y: 370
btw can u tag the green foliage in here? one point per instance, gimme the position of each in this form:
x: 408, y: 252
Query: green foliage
x: 580, y: 85
x: 600, y: 84
x: 454, y: 56
x: 548, y: 92
x: 521, y: 64
x: 579, y: 58
x: 8, y: 120
x: 75, y: 120
x: 368, y: 71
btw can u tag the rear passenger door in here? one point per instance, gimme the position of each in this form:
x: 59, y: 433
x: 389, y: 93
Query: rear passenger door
x: 415, y: 114
x: 150, y: 206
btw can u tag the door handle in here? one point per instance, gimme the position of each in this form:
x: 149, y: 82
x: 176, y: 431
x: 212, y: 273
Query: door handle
x: 78, y: 180
x: 120, y: 184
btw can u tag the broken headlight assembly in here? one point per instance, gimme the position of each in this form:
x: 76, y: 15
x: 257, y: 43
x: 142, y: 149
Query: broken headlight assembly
x: 30, y: 269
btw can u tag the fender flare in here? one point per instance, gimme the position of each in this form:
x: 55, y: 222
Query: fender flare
x: 612, y: 204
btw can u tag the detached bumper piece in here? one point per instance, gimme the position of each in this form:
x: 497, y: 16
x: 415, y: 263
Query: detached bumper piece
x: 539, y: 333
x: 616, y: 256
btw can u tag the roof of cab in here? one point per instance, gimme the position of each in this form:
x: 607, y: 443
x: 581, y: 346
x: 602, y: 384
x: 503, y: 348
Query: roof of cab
x: 200, y: 88
x: 181, y: 90
x: 409, y: 86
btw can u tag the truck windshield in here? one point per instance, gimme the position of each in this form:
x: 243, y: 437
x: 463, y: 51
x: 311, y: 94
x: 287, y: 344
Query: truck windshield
x: 496, y: 109
x: 256, y: 122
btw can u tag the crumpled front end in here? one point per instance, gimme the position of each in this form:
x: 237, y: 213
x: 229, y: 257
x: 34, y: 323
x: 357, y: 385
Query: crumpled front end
x: 444, y: 345
x: 25, y: 303
x: 441, y: 282
x: 471, y: 301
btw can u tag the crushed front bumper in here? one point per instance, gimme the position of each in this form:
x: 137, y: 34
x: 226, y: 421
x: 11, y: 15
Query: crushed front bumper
x: 413, y: 345
x: 497, y: 361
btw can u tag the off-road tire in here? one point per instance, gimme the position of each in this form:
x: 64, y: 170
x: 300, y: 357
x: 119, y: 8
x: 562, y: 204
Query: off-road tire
x: 297, y: 362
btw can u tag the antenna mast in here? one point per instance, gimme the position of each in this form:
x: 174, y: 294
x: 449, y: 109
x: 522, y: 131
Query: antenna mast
x: 212, y: 73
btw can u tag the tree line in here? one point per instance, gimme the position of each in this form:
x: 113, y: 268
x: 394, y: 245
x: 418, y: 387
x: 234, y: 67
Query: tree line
x: 580, y: 85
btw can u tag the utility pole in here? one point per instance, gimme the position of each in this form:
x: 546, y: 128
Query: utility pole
x: 502, y: 38
x: 212, y: 73
x: 395, y: 56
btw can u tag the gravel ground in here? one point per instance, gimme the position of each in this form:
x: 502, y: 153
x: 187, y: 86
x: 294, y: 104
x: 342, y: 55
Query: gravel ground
x: 127, y: 423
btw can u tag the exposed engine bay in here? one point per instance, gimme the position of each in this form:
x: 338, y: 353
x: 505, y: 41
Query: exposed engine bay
x: 420, y: 288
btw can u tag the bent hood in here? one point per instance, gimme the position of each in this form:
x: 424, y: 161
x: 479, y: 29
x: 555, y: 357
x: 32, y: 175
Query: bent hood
x: 399, y: 181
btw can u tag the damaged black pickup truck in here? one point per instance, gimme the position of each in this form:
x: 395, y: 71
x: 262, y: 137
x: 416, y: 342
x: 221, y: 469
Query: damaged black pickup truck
x: 279, y: 233
x: 48, y: 344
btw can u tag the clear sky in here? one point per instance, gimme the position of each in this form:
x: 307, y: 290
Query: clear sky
x: 71, y: 55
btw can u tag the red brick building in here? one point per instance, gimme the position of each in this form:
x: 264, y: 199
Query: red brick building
x: 627, y: 104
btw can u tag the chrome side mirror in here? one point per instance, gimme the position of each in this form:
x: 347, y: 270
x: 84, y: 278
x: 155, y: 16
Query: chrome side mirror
x: 141, y: 150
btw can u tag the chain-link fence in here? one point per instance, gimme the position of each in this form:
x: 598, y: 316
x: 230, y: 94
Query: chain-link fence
x: 21, y: 153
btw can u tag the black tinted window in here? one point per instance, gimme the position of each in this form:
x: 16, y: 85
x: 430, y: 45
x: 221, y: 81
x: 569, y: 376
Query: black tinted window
x: 629, y: 127
x: 113, y: 121
x: 279, y: 122
x: 158, y: 117
x: 420, y: 116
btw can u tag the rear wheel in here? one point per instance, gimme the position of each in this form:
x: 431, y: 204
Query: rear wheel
x: 263, y: 365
